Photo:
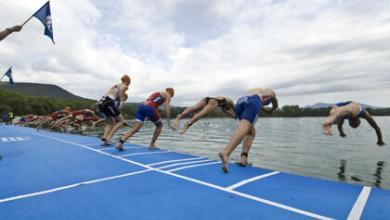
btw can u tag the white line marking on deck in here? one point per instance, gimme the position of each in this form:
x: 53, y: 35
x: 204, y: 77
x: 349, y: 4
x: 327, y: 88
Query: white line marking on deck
x: 192, y: 166
x: 184, y: 163
x: 20, y: 138
x: 241, y: 183
x: 4, y: 139
x: 264, y: 201
x: 110, y: 148
x: 178, y: 160
x: 92, y: 144
x: 360, y: 203
x: 12, y: 139
x: 145, y: 153
x: 72, y: 186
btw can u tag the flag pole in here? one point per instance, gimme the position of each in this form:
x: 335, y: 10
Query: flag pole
x: 34, y: 14
x: 27, y: 20
x: 2, y: 77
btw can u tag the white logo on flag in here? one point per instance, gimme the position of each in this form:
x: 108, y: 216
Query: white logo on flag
x: 48, y: 23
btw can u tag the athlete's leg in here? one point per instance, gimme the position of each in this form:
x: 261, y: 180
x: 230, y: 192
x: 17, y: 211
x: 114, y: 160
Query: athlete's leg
x: 198, y: 106
x: 208, y: 108
x: 128, y: 135
x: 246, y: 146
x: 243, y: 128
x: 119, y: 120
x: 156, y: 133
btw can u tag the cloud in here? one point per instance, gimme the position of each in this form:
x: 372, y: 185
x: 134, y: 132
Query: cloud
x: 198, y: 22
x: 305, y: 50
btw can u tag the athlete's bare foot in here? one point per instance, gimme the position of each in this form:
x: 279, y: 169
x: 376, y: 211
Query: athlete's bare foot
x: 243, y: 160
x: 153, y: 148
x: 105, y: 142
x: 186, y: 126
x: 176, y: 123
x: 224, y: 161
x: 119, y: 146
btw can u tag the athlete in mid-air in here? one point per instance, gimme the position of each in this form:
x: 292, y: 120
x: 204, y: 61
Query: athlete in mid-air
x: 205, y: 106
x: 352, y: 111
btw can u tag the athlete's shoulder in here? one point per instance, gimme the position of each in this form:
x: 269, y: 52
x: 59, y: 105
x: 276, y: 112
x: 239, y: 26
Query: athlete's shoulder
x: 123, y: 86
x: 165, y: 95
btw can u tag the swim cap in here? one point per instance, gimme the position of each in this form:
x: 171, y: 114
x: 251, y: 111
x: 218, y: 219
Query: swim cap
x: 171, y: 91
x: 354, y: 123
x: 126, y: 79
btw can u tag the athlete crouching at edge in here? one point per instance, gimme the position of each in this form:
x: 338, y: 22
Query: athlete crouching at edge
x: 352, y: 111
x: 109, y: 106
x: 149, y: 109
x: 247, y: 108
x: 53, y: 117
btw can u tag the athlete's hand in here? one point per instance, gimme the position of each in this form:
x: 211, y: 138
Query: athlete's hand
x: 380, y: 143
x: 16, y: 28
x: 172, y: 127
x: 326, y: 129
x: 267, y: 109
x: 121, y: 105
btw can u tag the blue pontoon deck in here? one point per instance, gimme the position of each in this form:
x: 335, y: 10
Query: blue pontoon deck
x: 45, y: 175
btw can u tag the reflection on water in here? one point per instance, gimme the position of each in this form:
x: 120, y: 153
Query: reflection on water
x: 377, y: 175
x: 294, y: 145
x: 341, y: 174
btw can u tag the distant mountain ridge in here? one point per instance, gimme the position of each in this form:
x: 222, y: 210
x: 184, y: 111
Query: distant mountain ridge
x: 327, y: 105
x: 38, y: 89
x: 54, y: 91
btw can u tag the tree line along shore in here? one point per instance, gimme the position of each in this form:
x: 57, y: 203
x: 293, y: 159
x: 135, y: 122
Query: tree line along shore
x: 21, y: 104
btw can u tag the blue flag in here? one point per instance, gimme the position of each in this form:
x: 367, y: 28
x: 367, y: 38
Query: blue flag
x: 44, y: 15
x: 9, y: 74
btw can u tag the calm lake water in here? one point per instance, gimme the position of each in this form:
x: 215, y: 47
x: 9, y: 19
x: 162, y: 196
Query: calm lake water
x: 293, y: 145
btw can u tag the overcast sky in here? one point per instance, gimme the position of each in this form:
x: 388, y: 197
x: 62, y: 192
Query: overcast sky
x: 308, y: 51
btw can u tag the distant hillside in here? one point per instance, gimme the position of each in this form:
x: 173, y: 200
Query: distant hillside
x: 37, y: 89
x: 319, y: 105
x: 326, y: 105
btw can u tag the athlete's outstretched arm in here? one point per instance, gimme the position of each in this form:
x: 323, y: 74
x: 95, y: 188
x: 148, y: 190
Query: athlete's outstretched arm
x: 229, y: 112
x: 97, y: 122
x: 340, y: 127
x: 274, y: 103
x: 168, y: 112
x: 6, y: 32
x: 373, y: 124
x: 60, y: 121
